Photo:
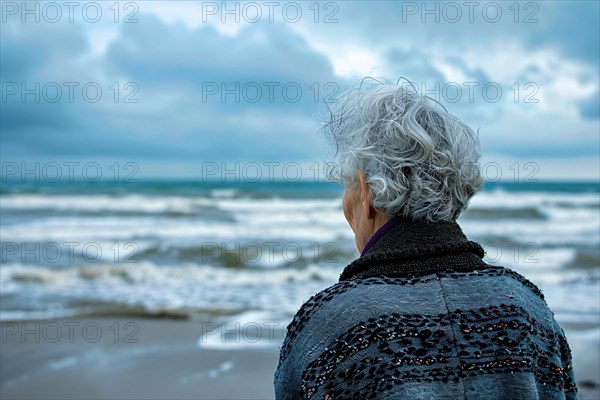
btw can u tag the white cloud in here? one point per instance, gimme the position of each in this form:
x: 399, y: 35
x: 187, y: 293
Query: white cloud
x: 100, y: 38
x: 355, y: 62
x: 451, y: 73
x: 195, y: 15
x: 560, y: 83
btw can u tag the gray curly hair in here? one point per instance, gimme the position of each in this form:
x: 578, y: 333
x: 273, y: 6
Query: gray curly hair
x: 420, y: 161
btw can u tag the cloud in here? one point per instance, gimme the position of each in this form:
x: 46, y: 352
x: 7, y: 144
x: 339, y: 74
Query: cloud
x: 175, y: 117
x: 230, y: 91
x: 591, y: 109
x: 26, y: 48
x: 259, y: 53
x: 570, y: 26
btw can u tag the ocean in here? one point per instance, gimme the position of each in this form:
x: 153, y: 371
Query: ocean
x: 256, y: 251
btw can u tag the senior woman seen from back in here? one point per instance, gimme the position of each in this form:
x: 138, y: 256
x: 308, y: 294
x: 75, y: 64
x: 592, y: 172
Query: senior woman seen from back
x: 419, y: 315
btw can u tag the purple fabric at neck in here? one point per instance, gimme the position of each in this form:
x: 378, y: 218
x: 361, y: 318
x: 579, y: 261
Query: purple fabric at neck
x: 380, y: 232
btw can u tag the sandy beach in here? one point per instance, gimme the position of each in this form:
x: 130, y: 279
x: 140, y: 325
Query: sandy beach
x: 144, y: 358
x: 161, y: 359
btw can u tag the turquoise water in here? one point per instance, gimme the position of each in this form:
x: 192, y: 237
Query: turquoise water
x: 277, y: 188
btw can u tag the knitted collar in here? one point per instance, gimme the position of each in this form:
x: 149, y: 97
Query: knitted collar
x: 408, y: 247
x: 379, y: 233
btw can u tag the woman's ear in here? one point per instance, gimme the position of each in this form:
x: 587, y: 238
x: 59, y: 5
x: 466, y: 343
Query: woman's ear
x: 365, y: 197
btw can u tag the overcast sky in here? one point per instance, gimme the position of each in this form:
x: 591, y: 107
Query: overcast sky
x: 184, y: 83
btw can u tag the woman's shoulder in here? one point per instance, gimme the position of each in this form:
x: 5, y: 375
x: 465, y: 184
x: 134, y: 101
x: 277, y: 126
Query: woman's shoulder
x: 381, y: 293
x: 349, y: 303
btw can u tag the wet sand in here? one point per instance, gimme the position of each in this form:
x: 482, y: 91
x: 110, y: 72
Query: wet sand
x: 139, y: 358
x: 150, y: 359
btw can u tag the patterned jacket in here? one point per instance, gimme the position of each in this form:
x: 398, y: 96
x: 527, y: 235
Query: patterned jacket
x: 420, y: 315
